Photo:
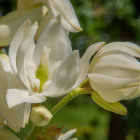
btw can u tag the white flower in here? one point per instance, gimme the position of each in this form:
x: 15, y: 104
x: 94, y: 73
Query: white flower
x: 49, y: 68
x: 16, y: 117
x: 114, y: 72
x: 58, y: 7
x: 67, y: 135
x: 37, y: 10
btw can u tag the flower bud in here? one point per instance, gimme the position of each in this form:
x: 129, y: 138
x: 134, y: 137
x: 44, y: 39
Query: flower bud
x: 40, y: 116
x: 114, y: 71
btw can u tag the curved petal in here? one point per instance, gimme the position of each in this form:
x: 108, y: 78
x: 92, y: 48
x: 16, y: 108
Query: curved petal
x: 17, y: 96
x: 14, y: 117
x: 85, y: 62
x: 12, y: 21
x: 15, y: 44
x: 25, y: 53
x: 65, y: 77
x: 67, y: 135
x: 113, y: 89
x: 115, y: 64
x: 11, y: 79
x: 27, y: 110
x: 126, y: 47
x: 55, y: 38
x: 65, y: 9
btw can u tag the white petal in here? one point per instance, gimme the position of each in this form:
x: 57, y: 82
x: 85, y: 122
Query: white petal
x: 65, y: 9
x: 15, y: 44
x: 26, y: 114
x: 65, y: 77
x: 85, y: 62
x: 25, y: 53
x: 112, y: 89
x: 115, y: 64
x: 55, y: 38
x: 126, y: 47
x: 14, y: 117
x: 16, y: 97
x: 67, y: 135
x: 12, y: 21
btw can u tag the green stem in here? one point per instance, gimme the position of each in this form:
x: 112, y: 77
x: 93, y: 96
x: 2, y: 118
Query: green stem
x: 68, y: 98
x: 84, y: 82
x: 30, y: 133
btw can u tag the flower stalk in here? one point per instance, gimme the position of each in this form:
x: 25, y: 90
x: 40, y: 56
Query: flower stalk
x: 68, y: 98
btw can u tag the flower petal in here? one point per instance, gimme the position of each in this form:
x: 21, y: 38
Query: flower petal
x: 15, y: 44
x: 17, y: 96
x: 55, y: 38
x: 65, y: 9
x: 67, y: 135
x: 12, y: 21
x: 85, y: 62
x: 115, y: 64
x: 112, y: 89
x: 26, y: 114
x: 126, y: 47
x: 65, y: 77
x: 14, y: 117
x: 25, y: 53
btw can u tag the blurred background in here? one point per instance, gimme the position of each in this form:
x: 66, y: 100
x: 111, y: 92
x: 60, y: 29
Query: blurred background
x: 101, y: 20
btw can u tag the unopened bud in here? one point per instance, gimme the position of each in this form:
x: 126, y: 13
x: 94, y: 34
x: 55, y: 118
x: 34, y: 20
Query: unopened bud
x: 40, y: 116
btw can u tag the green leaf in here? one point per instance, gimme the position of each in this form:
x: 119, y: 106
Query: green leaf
x: 115, y: 107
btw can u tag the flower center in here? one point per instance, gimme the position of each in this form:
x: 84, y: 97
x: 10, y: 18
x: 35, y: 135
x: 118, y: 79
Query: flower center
x: 42, y: 74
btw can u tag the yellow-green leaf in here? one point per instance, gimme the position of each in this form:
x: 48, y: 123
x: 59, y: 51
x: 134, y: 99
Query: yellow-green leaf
x: 115, y: 107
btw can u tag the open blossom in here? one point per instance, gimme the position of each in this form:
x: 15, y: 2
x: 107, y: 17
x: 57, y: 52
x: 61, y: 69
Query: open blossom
x: 48, y: 68
x: 37, y: 10
x: 114, y: 72
x: 67, y: 135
